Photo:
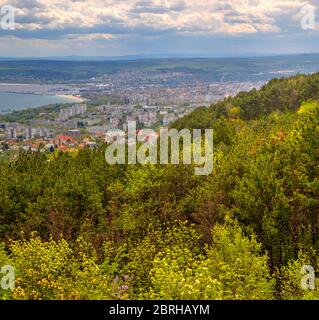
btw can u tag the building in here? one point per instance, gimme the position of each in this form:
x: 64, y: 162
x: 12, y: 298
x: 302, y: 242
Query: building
x: 75, y: 110
x: 75, y: 133
x: 62, y: 140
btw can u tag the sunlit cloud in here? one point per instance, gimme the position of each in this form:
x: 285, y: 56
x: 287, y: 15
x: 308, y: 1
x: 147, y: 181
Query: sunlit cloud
x: 117, y: 20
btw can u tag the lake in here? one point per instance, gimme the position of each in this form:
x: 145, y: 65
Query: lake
x: 18, y: 101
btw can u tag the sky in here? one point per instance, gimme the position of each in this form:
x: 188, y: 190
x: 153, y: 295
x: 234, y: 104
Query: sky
x: 160, y: 27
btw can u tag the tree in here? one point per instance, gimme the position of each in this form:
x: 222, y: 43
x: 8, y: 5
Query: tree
x: 232, y: 268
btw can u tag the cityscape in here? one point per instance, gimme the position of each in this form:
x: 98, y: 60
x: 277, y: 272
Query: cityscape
x: 151, y: 99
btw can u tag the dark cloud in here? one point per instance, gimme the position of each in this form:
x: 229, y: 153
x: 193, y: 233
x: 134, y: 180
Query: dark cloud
x: 28, y: 4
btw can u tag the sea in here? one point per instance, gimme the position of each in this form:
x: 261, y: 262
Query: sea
x: 18, y: 101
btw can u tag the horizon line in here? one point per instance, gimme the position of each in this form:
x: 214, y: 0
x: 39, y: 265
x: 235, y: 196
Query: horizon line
x: 150, y: 56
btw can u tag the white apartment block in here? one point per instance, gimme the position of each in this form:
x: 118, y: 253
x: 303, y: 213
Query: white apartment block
x: 75, y: 110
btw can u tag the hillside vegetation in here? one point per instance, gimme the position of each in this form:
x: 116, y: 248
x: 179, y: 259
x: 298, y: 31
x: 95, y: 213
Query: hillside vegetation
x: 75, y: 227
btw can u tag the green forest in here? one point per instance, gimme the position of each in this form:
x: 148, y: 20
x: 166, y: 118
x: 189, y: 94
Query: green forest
x: 75, y: 227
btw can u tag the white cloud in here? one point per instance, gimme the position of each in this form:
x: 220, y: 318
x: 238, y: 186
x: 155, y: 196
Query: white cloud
x: 126, y: 16
x: 90, y: 37
x: 148, y: 26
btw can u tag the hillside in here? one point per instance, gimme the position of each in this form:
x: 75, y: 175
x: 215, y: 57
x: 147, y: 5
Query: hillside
x: 285, y: 94
x: 83, y: 229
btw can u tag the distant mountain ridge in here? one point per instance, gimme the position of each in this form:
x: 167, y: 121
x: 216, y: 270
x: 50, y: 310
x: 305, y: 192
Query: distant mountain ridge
x: 149, y: 56
x: 239, y: 69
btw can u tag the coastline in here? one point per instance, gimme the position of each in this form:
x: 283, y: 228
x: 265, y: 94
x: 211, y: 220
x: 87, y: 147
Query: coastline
x: 42, y: 90
x: 17, y: 105
x: 75, y: 98
x: 66, y: 96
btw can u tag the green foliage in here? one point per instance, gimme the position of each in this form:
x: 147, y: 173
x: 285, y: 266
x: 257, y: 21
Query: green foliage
x: 285, y: 94
x: 290, y: 277
x: 232, y: 268
x: 52, y: 270
x: 24, y: 116
x: 141, y: 255
x: 161, y: 232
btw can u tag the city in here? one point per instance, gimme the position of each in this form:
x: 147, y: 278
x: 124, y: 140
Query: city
x: 85, y: 124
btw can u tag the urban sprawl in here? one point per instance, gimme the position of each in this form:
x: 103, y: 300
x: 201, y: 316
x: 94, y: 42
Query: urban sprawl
x: 84, y: 125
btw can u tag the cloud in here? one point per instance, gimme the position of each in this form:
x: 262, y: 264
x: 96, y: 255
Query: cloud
x: 90, y: 36
x: 117, y: 20
x: 228, y: 17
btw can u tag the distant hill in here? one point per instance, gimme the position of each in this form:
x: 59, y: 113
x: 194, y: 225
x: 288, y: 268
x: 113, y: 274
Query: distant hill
x: 138, y: 57
x: 202, y: 69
